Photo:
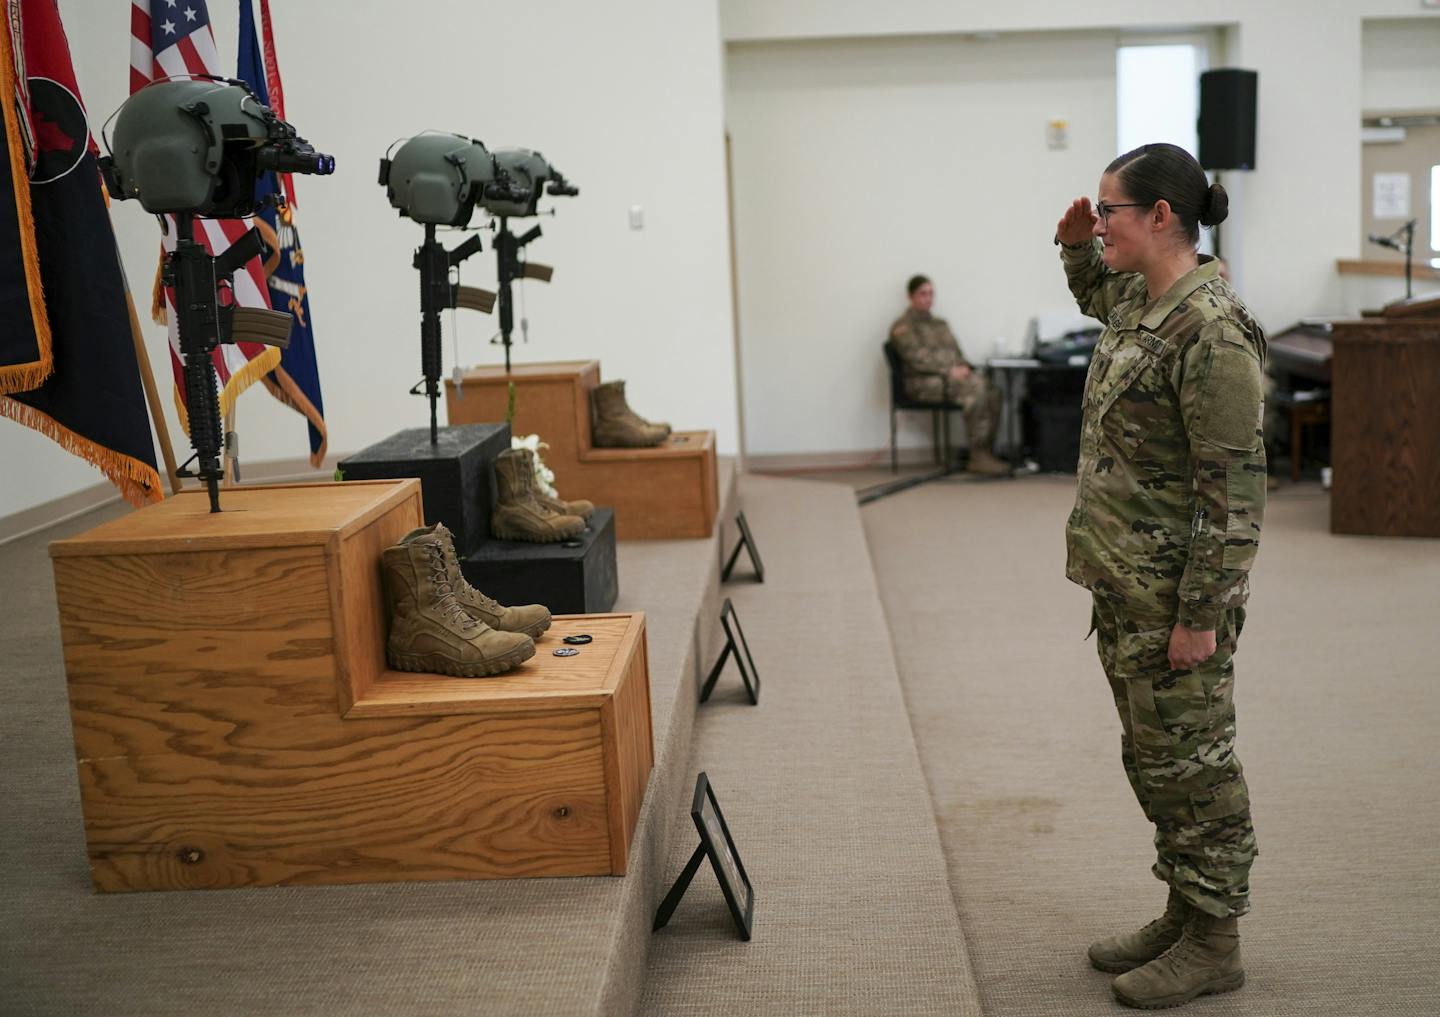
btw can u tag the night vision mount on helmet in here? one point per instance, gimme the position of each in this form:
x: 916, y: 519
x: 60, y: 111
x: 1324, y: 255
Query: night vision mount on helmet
x: 197, y: 146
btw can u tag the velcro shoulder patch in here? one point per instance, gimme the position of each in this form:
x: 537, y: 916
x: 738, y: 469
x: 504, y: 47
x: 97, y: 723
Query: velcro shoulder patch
x: 1152, y: 342
x: 1117, y: 320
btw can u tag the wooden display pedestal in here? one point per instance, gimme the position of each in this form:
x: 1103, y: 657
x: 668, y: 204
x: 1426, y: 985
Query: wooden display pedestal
x: 664, y: 492
x: 236, y: 725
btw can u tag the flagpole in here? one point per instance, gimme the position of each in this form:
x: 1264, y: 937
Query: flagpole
x: 152, y: 394
x: 232, y: 470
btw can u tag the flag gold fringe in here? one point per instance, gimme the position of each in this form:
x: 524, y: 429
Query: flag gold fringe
x: 242, y: 379
x: 29, y: 375
x: 139, y: 483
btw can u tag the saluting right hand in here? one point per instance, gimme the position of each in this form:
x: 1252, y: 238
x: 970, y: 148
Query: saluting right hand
x: 1076, y: 224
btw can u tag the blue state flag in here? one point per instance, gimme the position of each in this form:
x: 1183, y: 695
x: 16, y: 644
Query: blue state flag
x: 296, y: 382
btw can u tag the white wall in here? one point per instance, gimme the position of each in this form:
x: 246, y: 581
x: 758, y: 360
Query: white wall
x: 1291, y: 218
x: 859, y: 163
x: 625, y: 97
x: 1401, y: 65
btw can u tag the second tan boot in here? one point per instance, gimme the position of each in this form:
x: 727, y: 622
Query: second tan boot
x: 429, y: 630
x: 579, y: 507
x: 530, y: 619
x: 518, y: 514
x: 617, y: 425
x: 1127, y: 952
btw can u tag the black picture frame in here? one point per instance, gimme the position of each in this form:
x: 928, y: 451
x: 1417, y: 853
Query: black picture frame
x: 746, y: 543
x: 718, y: 845
x: 736, y: 644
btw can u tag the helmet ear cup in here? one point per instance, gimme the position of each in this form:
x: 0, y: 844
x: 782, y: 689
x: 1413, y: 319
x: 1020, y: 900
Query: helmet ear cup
x: 231, y: 179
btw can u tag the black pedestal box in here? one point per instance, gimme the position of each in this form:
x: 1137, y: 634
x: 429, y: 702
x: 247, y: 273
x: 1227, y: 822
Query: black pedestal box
x: 567, y: 580
x: 456, y: 474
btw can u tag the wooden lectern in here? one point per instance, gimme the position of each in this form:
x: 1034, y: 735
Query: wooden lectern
x: 1386, y: 422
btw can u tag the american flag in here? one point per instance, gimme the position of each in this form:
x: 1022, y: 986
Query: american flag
x: 172, y: 39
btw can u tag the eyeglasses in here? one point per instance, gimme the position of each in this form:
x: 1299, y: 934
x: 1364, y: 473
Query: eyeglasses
x: 1105, y: 209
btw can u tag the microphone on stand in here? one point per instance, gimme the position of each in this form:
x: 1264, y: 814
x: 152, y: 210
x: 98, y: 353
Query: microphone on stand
x: 1389, y: 242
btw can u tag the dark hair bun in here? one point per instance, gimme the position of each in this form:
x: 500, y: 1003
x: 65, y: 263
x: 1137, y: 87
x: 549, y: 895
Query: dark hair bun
x: 1216, y: 207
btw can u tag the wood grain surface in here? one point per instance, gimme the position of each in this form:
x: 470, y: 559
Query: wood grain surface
x: 206, y: 692
x: 670, y: 491
x: 629, y: 754
x: 587, y: 680
x: 249, y: 516
x: 1386, y: 428
x: 358, y: 609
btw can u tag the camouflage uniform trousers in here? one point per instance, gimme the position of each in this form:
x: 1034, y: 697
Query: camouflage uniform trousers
x: 1178, y: 750
x: 977, y: 398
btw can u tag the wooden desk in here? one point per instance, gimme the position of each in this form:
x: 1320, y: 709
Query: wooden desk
x: 1386, y: 431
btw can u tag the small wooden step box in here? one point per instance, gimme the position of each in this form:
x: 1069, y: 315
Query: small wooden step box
x: 666, y: 492
x: 236, y: 725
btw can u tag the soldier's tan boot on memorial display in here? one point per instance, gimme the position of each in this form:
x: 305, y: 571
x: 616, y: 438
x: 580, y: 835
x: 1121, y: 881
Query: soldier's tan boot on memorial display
x: 429, y: 630
x: 1204, y: 962
x: 579, y: 507
x: 1127, y: 952
x: 530, y: 619
x: 985, y: 463
x: 617, y: 425
x: 518, y: 514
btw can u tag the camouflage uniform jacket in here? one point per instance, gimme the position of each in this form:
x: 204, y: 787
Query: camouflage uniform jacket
x: 925, y: 343
x: 1171, y: 480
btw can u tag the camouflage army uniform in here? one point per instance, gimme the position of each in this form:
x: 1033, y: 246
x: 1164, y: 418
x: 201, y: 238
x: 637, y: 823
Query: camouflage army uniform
x: 929, y: 350
x: 1171, y: 495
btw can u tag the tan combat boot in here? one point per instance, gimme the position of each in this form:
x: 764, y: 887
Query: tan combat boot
x: 618, y: 426
x: 518, y: 515
x: 530, y: 619
x: 429, y: 630
x: 1119, y: 954
x: 1205, y: 961
x: 984, y: 463
x: 579, y: 507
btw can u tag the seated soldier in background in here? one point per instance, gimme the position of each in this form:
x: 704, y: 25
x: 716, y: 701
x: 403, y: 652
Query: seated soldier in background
x: 935, y: 369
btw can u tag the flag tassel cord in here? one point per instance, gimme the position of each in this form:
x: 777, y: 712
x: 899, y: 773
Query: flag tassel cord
x: 284, y: 388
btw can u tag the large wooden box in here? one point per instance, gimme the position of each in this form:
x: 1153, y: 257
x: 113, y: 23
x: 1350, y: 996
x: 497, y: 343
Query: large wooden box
x: 235, y: 723
x: 668, y: 491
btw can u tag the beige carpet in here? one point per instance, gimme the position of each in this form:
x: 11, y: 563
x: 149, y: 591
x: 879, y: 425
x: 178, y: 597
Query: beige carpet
x: 822, y: 788
x: 1338, y: 691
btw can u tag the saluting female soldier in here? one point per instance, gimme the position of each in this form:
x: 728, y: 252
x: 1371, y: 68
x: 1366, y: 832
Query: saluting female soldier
x: 1164, y: 530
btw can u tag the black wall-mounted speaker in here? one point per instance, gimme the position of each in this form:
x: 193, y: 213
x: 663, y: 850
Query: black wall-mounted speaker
x: 1227, y: 118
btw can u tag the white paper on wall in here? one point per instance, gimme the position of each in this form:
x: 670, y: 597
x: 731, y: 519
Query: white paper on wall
x: 1392, y: 195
